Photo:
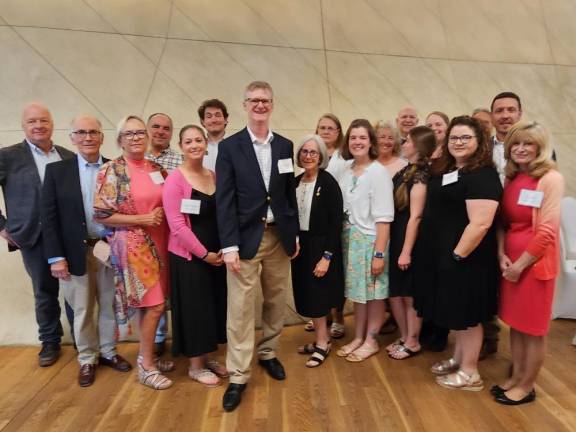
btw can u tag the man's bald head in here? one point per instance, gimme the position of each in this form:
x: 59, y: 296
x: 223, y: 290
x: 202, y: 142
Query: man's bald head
x: 406, y: 120
x: 37, y: 124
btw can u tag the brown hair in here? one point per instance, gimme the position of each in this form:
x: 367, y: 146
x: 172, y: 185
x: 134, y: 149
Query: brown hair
x: 212, y: 103
x: 424, y: 141
x: 440, y: 114
x: 482, y: 156
x: 529, y: 131
x: 360, y: 123
x: 336, y: 121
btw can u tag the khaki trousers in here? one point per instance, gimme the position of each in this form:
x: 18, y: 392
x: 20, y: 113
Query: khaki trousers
x: 93, y: 334
x: 270, y: 268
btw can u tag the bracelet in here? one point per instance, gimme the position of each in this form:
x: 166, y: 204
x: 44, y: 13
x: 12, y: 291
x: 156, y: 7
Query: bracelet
x: 327, y: 255
x: 205, y: 255
x: 378, y: 254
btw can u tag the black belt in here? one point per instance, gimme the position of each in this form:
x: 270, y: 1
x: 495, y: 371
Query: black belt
x: 92, y: 242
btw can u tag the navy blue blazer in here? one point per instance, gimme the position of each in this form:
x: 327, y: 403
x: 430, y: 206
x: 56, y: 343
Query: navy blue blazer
x: 242, y: 200
x: 22, y: 193
x: 62, y: 214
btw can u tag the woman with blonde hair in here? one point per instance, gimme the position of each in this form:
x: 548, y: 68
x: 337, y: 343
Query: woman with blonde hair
x: 388, y: 140
x: 528, y: 255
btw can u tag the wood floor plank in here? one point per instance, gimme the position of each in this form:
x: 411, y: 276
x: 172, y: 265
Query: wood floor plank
x: 379, y: 394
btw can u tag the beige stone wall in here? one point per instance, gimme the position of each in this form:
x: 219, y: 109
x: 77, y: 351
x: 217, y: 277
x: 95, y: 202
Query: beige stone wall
x: 361, y: 58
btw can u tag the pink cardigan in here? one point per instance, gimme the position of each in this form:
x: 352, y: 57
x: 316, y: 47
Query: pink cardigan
x: 546, y: 225
x: 182, y: 241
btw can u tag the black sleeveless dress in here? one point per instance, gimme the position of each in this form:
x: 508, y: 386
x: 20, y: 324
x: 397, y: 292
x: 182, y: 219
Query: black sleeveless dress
x: 199, y: 292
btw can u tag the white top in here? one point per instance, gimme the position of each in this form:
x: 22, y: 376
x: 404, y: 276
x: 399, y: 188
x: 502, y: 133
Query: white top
x: 498, y: 157
x: 304, y: 195
x: 337, y: 165
x: 263, y: 152
x: 42, y: 159
x: 368, y: 199
x: 209, y: 161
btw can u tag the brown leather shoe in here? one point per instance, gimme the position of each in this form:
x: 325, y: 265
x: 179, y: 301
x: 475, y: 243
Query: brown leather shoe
x: 117, y: 362
x: 87, y: 375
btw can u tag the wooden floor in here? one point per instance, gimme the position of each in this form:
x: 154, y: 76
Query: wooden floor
x: 377, y: 395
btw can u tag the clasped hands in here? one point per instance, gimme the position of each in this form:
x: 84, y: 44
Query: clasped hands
x: 510, y: 271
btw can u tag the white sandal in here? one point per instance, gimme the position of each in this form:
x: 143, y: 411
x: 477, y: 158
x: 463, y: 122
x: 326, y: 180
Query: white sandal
x: 461, y: 381
x: 217, y: 368
x: 204, y: 376
x: 161, y: 365
x: 153, y: 379
x: 445, y: 367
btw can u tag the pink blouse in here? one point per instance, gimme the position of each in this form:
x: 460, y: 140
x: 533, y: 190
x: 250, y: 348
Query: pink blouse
x: 182, y: 241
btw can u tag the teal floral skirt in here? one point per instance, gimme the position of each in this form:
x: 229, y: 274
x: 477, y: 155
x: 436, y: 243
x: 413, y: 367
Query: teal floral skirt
x: 360, y: 285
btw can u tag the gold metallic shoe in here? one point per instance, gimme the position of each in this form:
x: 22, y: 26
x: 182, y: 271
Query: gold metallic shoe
x: 461, y: 381
x: 445, y: 367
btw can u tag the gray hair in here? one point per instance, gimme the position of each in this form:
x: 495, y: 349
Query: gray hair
x: 83, y: 116
x: 122, y: 123
x: 381, y: 124
x: 481, y: 110
x: 321, y: 149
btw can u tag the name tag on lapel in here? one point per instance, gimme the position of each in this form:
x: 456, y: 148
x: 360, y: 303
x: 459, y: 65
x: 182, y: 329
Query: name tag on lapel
x: 157, y: 177
x: 530, y: 198
x: 285, y: 166
x: 450, y: 178
x: 190, y: 206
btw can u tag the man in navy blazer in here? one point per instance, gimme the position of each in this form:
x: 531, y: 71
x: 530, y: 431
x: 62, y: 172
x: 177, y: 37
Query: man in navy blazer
x: 258, y: 226
x: 22, y: 168
x: 70, y: 237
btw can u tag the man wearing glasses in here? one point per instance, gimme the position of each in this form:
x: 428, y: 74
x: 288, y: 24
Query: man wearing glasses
x: 258, y: 224
x: 70, y: 238
x: 22, y: 168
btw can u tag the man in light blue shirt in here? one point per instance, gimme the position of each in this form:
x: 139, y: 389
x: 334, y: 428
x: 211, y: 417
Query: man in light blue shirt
x: 72, y: 241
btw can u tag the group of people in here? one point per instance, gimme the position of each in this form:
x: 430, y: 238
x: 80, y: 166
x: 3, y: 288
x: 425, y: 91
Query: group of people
x: 449, y: 225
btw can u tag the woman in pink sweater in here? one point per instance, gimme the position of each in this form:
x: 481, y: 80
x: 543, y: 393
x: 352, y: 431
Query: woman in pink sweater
x: 198, y: 295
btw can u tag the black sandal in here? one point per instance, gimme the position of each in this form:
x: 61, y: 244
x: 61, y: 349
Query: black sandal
x: 318, y: 357
x: 404, y: 349
x: 307, y: 349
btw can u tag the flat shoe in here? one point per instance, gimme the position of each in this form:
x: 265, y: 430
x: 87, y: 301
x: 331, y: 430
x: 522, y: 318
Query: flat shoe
x: 204, y: 376
x: 505, y: 400
x: 362, y: 353
x: 348, y: 349
x: 394, y: 345
x: 461, y: 381
x: 217, y: 368
x: 318, y: 357
x: 445, y: 367
x: 407, y: 353
x: 496, y: 390
x: 337, y: 331
x: 307, y: 349
x: 309, y: 326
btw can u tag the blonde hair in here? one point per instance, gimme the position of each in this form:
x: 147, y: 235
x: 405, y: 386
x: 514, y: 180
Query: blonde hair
x: 533, y: 132
x: 255, y: 85
x: 381, y: 124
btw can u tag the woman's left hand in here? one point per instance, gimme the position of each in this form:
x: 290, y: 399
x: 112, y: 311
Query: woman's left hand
x: 377, y: 266
x: 404, y: 261
x: 512, y: 273
x: 321, y: 267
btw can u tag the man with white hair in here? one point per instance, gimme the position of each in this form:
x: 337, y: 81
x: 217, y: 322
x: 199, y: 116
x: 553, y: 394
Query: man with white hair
x: 22, y: 168
x: 406, y: 120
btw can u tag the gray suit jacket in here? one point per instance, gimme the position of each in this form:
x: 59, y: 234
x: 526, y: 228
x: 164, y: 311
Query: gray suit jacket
x: 22, y: 190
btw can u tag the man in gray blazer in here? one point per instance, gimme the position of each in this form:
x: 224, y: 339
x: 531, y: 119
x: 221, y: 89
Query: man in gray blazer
x: 22, y: 168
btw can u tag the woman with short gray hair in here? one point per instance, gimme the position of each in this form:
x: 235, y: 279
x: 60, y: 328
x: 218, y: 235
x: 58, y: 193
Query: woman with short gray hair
x: 317, y: 273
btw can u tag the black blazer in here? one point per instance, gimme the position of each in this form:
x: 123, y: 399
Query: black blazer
x: 327, y: 212
x: 63, y: 217
x: 242, y: 199
x: 22, y: 191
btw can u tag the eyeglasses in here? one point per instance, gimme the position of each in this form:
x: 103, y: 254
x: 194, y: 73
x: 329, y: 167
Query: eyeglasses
x: 327, y: 128
x: 256, y: 101
x: 464, y: 139
x: 130, y: 135
x: 312, y: 153
x: 84, y: 133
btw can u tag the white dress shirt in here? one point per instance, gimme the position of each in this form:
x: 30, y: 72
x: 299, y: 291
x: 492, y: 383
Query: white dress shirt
x: 209, y: 161
x: 369, y: 198
x: 263, y: 152
x: 337, y: 165
x: 42, y: 159
x: 304, y: 195
x: 498, y: 157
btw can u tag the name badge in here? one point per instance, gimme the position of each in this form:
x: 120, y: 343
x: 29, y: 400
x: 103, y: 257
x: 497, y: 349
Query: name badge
x: 450, y: 178
x: 285, y: 166
x: 530, y: 198
x: 190, y: 206
x: 156, y: 177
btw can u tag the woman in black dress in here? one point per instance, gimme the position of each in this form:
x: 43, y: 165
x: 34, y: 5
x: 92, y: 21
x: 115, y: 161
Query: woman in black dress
x: 456, y: 264
x: 409, y: 198
x: 198, y: 295
x: 317, y: 274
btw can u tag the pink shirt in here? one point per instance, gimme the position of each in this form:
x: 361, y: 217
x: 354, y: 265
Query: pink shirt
x: 182, y: 241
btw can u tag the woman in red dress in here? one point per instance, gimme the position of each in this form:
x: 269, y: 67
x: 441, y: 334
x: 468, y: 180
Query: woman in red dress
x: 528, y: 254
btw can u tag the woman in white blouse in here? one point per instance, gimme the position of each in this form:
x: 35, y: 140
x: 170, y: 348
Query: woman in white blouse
x: 368, y: 211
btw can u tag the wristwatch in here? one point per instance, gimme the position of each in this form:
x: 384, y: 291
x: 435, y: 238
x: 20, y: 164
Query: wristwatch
x: 378, y: 254
x: 327, y: 255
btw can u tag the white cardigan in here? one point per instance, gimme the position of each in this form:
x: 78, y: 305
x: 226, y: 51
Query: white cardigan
x: 371, y: 200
